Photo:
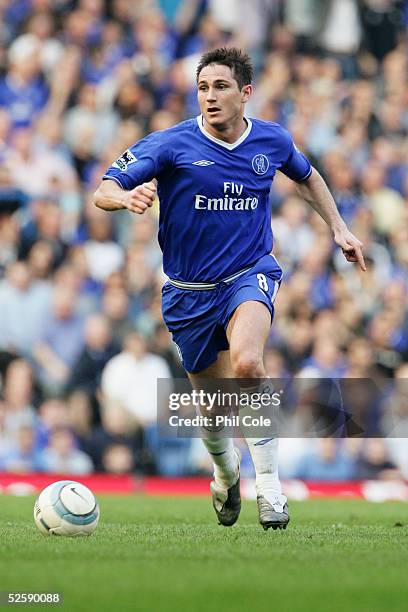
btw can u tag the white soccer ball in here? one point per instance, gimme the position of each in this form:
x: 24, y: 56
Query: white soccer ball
x: 66, y: 508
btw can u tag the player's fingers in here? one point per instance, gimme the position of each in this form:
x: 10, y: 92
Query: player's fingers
x: 137, y: 207
x: 140, y: 197
x: 349, y: 255
x: 348, y: 244
x: 355, y: 254
x: 360, y: 258
x: 151, y: 186
x: 145, y: 194
x: 150, y: 193
x: 147, y: 190
x: 150, y: 197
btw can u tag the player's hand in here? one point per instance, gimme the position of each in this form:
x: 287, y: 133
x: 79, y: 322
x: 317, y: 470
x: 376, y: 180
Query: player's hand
x: 140, y: 198
x: 351, y: 246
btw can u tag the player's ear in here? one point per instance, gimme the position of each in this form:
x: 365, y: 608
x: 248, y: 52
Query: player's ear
x: 246, y: 92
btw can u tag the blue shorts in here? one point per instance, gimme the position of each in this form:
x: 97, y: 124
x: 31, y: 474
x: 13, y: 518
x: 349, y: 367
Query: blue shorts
x: 198, y: 319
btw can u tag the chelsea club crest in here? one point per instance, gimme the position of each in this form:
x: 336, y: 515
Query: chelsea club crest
x: 260, y: 163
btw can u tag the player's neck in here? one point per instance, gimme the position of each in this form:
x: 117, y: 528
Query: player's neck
x: 230, y: 134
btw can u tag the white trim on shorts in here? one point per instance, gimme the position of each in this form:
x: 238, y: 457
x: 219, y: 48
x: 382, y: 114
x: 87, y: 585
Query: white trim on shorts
x: 207, y: 286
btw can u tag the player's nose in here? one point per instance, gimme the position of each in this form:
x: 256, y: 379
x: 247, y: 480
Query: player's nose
x: 211, y: 95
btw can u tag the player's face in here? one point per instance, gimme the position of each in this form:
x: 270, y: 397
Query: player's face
x: 221, y: 100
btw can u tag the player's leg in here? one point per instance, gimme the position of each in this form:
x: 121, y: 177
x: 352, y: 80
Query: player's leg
x: 220, y: 447
x: 192, y: 317
x: 226, y: 459
x: 247, y: 333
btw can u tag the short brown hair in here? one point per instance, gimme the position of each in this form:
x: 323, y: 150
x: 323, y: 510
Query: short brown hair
x: 239, y: 62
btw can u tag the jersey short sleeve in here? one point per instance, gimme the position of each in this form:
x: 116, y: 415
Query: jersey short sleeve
x: 143, y: 161
x: 297, y: 167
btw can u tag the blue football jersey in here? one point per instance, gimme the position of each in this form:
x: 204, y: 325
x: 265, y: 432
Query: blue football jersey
x: 214, y: 196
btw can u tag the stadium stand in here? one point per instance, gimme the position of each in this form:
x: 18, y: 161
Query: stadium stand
x: 80, y: 290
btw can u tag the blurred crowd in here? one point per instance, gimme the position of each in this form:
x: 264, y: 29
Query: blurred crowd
x: 82, y: 342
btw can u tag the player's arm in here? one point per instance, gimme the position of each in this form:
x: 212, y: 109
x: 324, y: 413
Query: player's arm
x: 110, y: 196
x: 315, y: 191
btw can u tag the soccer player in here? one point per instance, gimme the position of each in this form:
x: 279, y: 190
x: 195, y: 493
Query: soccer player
x: 214, y: 174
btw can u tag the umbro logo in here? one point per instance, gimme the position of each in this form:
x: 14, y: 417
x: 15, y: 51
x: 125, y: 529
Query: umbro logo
x: 203, y: 162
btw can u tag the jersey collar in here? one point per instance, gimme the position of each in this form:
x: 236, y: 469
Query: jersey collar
x: 227, y: 145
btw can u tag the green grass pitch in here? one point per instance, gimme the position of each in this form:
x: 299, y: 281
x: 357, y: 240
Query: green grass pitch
x: 154, y: 554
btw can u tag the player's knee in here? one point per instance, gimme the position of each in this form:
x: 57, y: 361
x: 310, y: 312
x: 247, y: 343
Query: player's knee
x: 247, y: 364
